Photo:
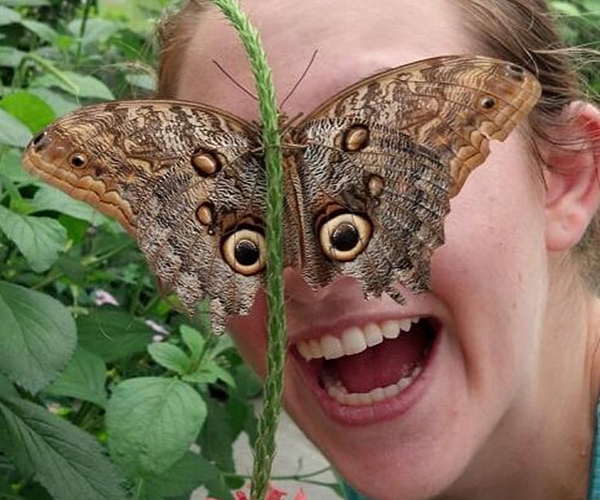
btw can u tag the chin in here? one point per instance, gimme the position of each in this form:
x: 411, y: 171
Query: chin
x: 413, y: 444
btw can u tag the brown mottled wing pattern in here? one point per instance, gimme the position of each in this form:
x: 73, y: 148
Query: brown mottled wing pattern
x: 368, y: 178
x: 396, y: 147
x: 134, y: 160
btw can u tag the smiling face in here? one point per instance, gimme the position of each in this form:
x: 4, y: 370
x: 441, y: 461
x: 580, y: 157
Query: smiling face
x: 470, y: 353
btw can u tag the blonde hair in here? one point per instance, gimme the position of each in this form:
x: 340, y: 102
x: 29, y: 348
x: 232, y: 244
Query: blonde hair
x: 521, y: 31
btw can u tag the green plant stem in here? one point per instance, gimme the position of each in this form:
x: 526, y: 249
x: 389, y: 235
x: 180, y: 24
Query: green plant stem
x: 84, y: 20
x: 265, y: 443
x: 88, y: 262
x: 50, y: 68
x: 290, y: 477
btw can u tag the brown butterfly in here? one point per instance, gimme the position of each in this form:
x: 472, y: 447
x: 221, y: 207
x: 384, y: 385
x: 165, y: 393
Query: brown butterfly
x: 368, y: 177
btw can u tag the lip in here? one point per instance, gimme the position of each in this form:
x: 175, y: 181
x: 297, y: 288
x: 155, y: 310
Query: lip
x: 376, y: 412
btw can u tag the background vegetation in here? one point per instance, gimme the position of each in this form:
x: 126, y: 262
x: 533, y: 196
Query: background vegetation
x: 93, y: 359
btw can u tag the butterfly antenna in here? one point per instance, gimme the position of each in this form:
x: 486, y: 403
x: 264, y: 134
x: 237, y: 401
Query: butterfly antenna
x: 238, y: 85
x: 308, y: 66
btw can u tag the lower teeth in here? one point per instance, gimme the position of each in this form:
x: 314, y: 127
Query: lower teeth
x: 337, y: 391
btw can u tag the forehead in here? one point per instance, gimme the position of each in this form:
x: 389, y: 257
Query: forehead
x: 353, y: 39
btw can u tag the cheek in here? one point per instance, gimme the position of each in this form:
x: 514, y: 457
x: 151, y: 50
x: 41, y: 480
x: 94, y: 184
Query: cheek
x: 249, y: 334
x: 492, y: 271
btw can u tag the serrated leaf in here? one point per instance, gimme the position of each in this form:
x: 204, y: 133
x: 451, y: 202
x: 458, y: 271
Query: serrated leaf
x: 83, y: 378
x: 12, y: 131
x: 7, y: 388
x: 193, y: 340
x: 217, y: 436
x: 182, y: 478
x: 37, y: 336
x: 28, y: 109
x: 151, y: 423
x: 75, y: 84
x: 50, y: 198
x: 40, y: 239
x: 169, y: 356
x: 68, y: 462
x: 113, y: 334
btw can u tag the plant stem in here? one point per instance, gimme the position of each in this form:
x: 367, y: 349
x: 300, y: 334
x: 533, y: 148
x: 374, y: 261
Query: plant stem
x: 265, y: 444
x: 84, y: 20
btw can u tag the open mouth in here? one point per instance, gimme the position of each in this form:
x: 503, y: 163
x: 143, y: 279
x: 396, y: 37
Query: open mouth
x: 363, y: 366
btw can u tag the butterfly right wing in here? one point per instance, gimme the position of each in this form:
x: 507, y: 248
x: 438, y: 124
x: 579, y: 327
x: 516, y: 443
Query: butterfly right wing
x: 185, y: 179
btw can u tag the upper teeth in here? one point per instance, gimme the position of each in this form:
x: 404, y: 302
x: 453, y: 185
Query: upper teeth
x: 353, y: 340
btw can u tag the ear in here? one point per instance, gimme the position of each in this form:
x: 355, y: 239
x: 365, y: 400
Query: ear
x: 572, y: 178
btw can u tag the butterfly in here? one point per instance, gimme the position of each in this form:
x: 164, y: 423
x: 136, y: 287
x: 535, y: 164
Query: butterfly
x: 368, y: 178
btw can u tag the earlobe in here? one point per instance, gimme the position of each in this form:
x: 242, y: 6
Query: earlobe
x: 572, y: 178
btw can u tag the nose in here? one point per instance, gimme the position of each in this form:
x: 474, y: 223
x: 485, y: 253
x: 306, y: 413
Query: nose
x: 298, y: 293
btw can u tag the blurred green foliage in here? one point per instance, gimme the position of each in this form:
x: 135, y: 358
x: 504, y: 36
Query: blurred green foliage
x: 580, y: 27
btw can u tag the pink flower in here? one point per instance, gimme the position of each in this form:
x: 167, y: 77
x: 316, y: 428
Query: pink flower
x: 102, y: 297
x: 273, y: 494
x: 157, y: 327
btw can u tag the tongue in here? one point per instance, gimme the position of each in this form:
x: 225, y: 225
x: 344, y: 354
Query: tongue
x: 383, y: 364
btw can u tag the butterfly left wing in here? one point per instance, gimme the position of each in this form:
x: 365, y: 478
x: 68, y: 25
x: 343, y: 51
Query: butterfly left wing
x: 183, y: 178
x: 382, y: 159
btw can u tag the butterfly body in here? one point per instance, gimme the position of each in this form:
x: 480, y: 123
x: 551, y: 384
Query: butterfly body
x: 368, y: 178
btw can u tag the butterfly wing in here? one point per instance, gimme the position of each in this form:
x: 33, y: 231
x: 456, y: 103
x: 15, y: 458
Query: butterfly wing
x: 382, y: 159
x: 183, y: 178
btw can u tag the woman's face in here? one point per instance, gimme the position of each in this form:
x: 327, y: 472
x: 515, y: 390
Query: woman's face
x: 488, y: 280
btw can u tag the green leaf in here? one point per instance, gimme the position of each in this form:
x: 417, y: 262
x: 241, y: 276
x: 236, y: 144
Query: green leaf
x: 183, y: 477
x: 10, y: 57
x: 42, y: 30
x: 11, y: 168
x: 7, y: 388
x: 58, y: 101
x: 84, y: 378
x: 193, y: 340
x: 566, y: 8
x: 96, y: 30
x: 220, y: 373
x: 169, y: 356
x: 66, y: 460
x: 142, y: 80
x: 12, y: 131
x: 29, y: 109
x: 113, y: 334
x: 217, y: 436
x: 209, y: 373
x: 200, y: 377
x: 8, y: 16
x: 37, y: 336
x: 151, y: 423
x: 248, y: 384
x: 40, y: 239
x: 50, y: 198
x: 25, y: 3
x: 75, y: 84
